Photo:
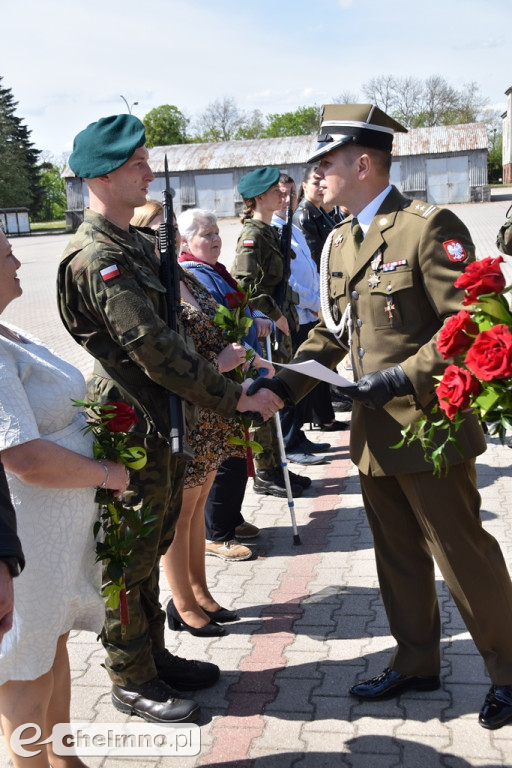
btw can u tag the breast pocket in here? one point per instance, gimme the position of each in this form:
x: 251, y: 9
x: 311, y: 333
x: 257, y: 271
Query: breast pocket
x: 134, y: 306
x: 391, y: 298
x: 338, y: 287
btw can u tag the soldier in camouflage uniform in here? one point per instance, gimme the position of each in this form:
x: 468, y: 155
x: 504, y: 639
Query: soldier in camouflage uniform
x: 259, y: 267
x: 112, y: 302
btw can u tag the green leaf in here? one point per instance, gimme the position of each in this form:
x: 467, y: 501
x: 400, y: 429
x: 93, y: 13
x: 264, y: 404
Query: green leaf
x: 494, y: 307
x: 114, y: 571
x: 486, y: 400
x: 112, y: 595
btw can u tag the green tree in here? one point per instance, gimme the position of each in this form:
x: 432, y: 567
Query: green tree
x: 303, y: 121
x: 19, y: 176
x: 253, y: 126
x: 165, y: 125
x: 495, y: 157
x: 53, y: 201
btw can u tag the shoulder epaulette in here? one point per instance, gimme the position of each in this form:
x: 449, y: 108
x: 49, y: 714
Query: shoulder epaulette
x: 420, y: 208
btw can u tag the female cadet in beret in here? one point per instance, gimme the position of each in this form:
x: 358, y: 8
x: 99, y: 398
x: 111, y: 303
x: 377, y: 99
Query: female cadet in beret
x: 259, y: 267
x: 258, y: 262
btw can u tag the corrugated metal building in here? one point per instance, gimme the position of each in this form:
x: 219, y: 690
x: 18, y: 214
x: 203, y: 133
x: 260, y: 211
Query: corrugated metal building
x: 507, y: 139
x: 444, y: 164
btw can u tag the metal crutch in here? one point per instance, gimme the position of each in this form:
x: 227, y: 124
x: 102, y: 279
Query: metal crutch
x: 284, y: 462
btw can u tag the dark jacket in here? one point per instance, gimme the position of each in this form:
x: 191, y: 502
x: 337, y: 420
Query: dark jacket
x: 316, y: 224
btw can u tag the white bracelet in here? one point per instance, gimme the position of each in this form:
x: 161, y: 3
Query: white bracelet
x: 105, y: 479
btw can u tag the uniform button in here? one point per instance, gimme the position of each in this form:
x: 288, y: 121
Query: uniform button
x: 355, y: 295
x: 359, y: 322
x: 360, y: 351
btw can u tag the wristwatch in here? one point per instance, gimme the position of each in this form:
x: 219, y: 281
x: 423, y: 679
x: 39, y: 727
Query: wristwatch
x: 13, y: 565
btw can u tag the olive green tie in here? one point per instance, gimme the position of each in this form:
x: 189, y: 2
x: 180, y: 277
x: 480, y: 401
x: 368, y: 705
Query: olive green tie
x: 357, y: 234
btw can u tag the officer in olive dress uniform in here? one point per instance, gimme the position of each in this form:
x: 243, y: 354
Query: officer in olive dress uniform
x: 112, y: 302
x: 259, y: 267
x: 388, y: 286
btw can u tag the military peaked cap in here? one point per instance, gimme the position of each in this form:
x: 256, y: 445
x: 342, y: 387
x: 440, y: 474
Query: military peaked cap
x: 106, y: 145
x: 362, y: 124
x: 257, y: 182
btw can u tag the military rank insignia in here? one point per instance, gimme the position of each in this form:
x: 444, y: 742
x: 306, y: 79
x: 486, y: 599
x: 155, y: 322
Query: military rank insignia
x: 455, y: 250
x: 109, y: 272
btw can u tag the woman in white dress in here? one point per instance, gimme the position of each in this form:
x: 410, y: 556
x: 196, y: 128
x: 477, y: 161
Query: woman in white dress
x: 52, y: 482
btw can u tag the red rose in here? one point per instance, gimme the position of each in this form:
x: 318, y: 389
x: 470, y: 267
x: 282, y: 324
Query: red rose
x: 481, y: 277
x: 456, y: 335
x: 490, y: 357
x: 124, y: 417
x: 236, y: 299
x: 455, y: 390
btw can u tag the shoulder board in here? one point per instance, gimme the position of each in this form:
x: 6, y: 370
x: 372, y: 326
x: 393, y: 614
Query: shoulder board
x: 420, y: 208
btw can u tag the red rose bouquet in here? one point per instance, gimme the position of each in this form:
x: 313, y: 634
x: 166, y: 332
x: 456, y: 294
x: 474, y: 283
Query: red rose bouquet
x: 235, y: 323
x: 479, y: 340
x: 120, y: 525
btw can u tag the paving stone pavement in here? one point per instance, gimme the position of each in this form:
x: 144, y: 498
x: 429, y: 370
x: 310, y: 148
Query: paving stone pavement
x: 311, y: 617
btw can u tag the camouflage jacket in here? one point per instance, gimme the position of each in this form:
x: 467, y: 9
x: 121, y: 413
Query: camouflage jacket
x: 112, y: 302
x: 258, y: 265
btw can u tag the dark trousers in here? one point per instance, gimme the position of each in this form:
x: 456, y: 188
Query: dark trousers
x: 415, y: 518
x: 222, y: 509
x: 315, y: 407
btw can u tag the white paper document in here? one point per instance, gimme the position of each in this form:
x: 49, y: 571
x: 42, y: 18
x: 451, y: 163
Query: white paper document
x: 318, y: 371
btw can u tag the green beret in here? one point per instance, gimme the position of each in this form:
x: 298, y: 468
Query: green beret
x: 257, y: 182
x: 106, y: 145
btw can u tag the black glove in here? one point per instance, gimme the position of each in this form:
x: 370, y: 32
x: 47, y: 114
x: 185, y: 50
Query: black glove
x: 275, y: 385
x: 376, y: 389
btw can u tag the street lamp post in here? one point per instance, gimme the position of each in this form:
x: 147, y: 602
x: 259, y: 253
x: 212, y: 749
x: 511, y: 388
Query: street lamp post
x: 127, y: 105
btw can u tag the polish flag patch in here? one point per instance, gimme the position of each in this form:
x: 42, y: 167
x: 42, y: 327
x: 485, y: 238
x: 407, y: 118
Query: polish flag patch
x: 109, y: 272
x: 248, y: 243
x: 455, y: 250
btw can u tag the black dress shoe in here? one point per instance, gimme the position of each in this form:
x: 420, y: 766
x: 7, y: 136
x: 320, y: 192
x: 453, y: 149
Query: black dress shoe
x: 334, y: 426
x: 497, y: 708
x: 390, y: 683
x: 183, y: 674
x: 212, y: 629
x: 222, y: 615
x: 303, y: 480
x: 154, y: 701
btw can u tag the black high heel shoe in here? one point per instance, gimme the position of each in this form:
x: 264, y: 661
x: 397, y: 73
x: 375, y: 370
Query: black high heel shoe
x: 222, y: 615
x: 176, y: 623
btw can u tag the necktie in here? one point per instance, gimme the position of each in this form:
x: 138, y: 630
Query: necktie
x: 357, y: 234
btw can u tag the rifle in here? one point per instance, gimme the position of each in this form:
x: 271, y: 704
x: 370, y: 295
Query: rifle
x: 169, y: 276
x: 286, y: 249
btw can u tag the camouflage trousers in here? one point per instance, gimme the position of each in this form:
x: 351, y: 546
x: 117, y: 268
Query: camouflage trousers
x: 131, y: 655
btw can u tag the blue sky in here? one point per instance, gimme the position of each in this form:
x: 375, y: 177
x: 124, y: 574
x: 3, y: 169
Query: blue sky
x: 68, y: 63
